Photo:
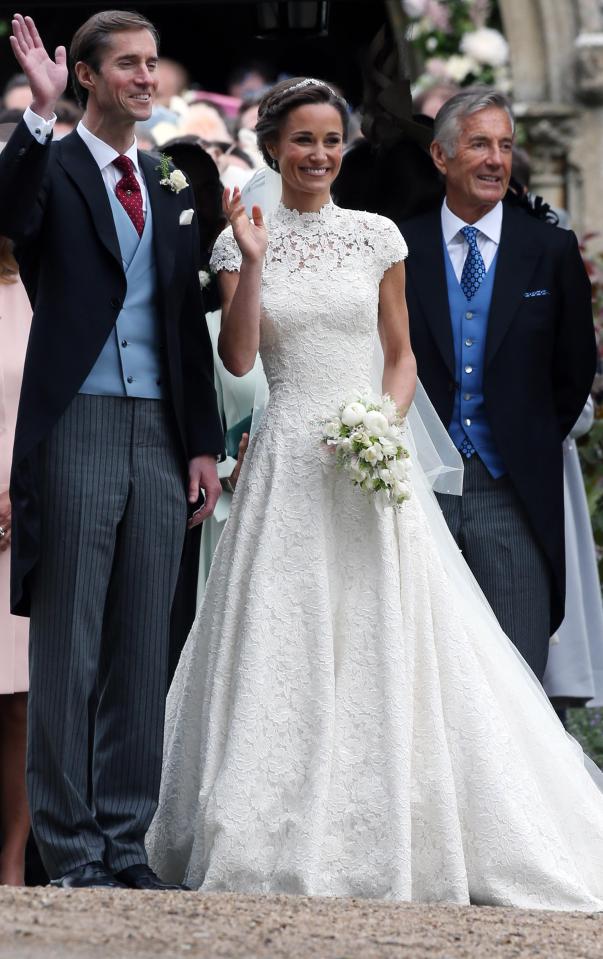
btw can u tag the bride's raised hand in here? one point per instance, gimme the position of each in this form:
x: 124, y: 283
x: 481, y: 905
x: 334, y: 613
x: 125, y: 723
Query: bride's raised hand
x: 47, y: 77
x: 251, y: 235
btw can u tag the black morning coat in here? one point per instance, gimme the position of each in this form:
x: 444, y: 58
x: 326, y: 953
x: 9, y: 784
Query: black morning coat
x: 54, y: 205
x: 540, y: 358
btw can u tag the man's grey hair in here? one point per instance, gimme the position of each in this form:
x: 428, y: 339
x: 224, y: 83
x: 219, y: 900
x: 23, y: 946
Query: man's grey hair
x: 447, y: 125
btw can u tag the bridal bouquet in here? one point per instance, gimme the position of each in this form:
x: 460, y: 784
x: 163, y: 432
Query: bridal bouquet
x: 366, y: 434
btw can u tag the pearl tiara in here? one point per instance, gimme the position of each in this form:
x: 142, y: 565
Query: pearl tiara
x: 308, y: 82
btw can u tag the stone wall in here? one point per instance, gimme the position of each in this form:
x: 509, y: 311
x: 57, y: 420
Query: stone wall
x: 557, y: 68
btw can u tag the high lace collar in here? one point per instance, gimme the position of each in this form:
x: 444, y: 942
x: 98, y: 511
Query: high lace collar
x: 295, y: 218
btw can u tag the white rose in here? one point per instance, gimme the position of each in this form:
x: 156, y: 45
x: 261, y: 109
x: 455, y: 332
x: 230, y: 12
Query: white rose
x: 415, y: 8
x: 486, y: 46
x: 400, y: 490
x: 353, y: 414
x: 372, y: 455
x: 178, y: 181
x: 458, y: 67
x: 358, y: 472
x: 332, y: 429
x: 388, y: 446
x: 362, y: 437
x: 204, y: 278
x: 375, y: 422
x: 387, y: 476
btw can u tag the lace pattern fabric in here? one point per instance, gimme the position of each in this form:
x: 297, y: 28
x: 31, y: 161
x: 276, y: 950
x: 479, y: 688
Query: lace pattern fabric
x: 345, y: 719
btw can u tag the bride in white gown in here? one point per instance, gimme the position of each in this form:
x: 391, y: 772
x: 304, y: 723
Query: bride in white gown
x: 347, y: 717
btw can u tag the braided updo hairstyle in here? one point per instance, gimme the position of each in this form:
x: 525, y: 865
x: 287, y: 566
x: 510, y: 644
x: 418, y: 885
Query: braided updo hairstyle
x: 286, y: 96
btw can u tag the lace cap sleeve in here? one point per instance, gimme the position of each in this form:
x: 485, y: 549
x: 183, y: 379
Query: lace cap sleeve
x: 226, y: 254
x: 392, y: 246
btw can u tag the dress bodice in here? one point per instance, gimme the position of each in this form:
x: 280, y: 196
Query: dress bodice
x: 319, y: 299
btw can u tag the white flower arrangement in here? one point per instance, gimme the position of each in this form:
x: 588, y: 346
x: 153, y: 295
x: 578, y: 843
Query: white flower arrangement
x: 458, y: 42
x: 204, y: 278
x: 367, y: 437
x: 486, y: 46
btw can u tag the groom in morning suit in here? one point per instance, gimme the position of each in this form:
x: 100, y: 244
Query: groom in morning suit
x: 501, y: 326
x: 117, y: 426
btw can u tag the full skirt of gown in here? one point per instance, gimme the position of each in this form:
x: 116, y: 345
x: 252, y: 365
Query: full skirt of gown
x: 347, y: 717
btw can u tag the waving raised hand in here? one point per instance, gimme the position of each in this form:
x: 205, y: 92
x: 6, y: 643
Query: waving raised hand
x: 251, y: 235
x: 47, y: 77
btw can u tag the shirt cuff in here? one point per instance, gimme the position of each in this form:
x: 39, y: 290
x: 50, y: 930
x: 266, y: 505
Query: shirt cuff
x: 39, y: 128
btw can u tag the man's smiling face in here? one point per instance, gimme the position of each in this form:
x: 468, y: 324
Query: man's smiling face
x: 478, y: 174
x: 125, y: 85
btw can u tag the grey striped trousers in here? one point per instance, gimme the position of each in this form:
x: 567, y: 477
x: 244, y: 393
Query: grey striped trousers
x: 113, y: 514
x: 491, y: 527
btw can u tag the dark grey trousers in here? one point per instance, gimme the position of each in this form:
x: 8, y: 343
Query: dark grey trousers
x: 490, y: 526
x: 113, y: 516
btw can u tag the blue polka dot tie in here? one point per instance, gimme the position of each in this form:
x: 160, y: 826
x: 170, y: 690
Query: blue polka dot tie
x: 473, y: 273
x: 128, y: 192
x: 473, y: 270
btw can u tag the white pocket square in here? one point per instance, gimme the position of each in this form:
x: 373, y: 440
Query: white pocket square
x: 186, y: 217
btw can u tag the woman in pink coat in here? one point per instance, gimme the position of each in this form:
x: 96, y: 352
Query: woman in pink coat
x: 15, y: 319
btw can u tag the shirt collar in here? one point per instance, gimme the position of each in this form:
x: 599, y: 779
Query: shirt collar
x: 104, y: 154
x: 490, y: 224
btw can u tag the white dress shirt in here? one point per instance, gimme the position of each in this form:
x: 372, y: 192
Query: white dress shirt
x: 103, y: 154
x: 488, y: 236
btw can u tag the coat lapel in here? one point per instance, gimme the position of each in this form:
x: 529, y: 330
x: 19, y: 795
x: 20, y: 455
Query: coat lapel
x: 166, y: 212
x: 515, y: 265
x: 427, y: 271
x: 79, y: 164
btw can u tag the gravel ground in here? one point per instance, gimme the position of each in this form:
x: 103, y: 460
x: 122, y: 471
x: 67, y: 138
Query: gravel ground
x: 45, y: 923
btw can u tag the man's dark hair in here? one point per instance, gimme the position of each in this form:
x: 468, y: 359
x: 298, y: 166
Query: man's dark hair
x: 94, y: 36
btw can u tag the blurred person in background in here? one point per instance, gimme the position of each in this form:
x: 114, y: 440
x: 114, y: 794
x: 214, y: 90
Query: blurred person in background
x: 247, y: 80
x: 69, y: 115
x: 17, y: 93
x: 574, y: 670
x: 429, y: 101
x: 174, y: 81
x: 247, y: 116
x: 15, y: 320
x: 205, y: 120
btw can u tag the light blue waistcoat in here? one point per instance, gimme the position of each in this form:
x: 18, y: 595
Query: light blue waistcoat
x: 469, y: 330
x: 129, y: 363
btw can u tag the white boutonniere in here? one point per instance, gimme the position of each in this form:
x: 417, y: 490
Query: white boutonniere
x: 186, y: 217
x: 174, y: 179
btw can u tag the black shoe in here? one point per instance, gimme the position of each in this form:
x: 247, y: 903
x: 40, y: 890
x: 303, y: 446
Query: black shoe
x: 142, y: 876
x: 87, y: 876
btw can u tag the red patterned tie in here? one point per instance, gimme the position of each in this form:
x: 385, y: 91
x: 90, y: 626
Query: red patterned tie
x: 128, y: 192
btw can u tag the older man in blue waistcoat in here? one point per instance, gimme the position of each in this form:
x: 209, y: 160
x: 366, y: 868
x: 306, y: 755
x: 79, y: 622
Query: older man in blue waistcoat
x: 117, y: 428
x: 501, y: 326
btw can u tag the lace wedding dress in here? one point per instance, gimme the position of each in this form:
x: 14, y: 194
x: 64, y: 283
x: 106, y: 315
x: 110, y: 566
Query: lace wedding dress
x: 347, y: 717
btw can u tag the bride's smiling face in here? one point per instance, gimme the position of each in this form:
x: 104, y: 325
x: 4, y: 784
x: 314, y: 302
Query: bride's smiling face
x: 309, y: 149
